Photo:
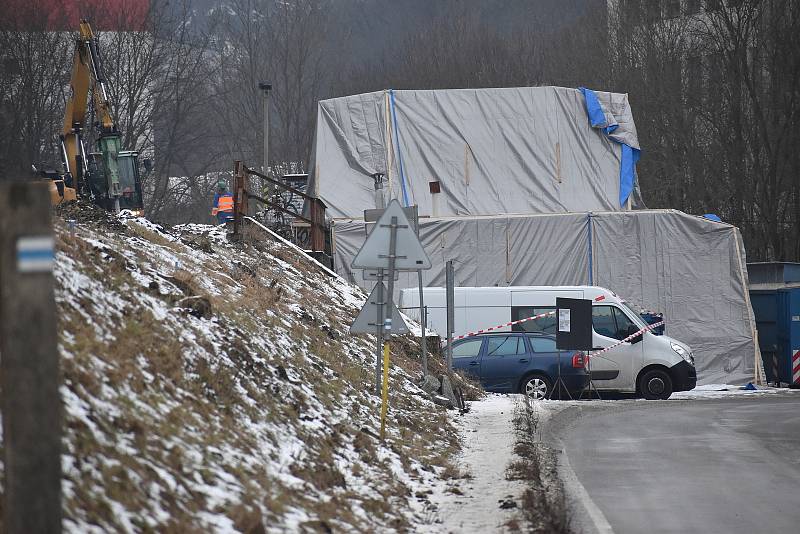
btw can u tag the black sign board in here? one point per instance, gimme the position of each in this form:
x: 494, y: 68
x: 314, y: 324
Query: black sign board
x: 574, y: 324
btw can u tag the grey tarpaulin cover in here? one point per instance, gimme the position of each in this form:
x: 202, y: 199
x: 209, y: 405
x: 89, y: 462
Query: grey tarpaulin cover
x: 689, y: 268
x: 507, y: 150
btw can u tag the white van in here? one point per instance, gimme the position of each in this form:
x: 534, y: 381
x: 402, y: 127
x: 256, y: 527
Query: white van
x: 651, y: 365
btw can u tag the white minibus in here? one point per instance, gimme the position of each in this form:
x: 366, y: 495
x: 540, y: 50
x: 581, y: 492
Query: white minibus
x: 651, y: 365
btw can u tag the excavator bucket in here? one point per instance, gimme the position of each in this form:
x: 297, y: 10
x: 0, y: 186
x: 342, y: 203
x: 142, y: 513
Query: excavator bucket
x: 60, y: 193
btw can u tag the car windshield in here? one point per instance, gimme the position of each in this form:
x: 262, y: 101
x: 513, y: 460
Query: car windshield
x: 632, y: 315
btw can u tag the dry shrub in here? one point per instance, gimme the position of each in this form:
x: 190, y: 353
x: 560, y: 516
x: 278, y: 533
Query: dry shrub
x: 154, y: 237
x: 321, y: 473
x: 544, y: 505
x: 218, y: 384
x: 247, y: 518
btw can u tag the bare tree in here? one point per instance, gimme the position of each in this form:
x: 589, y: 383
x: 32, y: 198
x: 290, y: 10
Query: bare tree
x: 716, y: 98
x: 35, y: 63
x: 284, y: 43
x: 158, y: 77
x: 756, y: 44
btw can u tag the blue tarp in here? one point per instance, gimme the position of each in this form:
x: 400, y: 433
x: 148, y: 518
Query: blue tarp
x: 598, y: 118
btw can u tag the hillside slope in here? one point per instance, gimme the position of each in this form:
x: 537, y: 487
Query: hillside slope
x: 211, y: 386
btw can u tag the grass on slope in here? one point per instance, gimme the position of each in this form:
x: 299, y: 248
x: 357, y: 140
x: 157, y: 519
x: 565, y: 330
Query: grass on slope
x: 214, y: 387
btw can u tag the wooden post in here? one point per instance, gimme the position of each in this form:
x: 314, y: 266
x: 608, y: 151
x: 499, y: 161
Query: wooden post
x: 236, y: 166
x: 317, y: 215
x: 317, y: 236
x: 239, y: 197
x: 31, y: 405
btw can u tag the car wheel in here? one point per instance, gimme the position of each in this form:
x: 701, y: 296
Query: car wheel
x: 655, y: 384
x: 537, y: 387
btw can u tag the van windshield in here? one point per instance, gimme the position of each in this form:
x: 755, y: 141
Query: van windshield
x: 632, y: 315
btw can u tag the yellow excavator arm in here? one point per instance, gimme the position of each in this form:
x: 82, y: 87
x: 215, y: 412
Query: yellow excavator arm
x: 99, y: 174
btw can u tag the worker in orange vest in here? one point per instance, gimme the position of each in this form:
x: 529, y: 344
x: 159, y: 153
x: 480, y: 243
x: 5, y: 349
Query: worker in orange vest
x: 223, y: 203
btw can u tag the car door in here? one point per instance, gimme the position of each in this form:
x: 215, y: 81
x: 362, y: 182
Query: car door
x: 467, y: 356
x: 504, y: 360
x: 613, y: 369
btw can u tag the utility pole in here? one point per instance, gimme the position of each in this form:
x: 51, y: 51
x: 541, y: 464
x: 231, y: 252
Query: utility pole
x: 31, y: 403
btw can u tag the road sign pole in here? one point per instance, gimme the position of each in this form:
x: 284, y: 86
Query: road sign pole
x: 392, y: 257
x: 385, y: 396
x: 393, y: 223
x: 422, y: 319
x: 451, y: 304
x: 387, y: 324
x: 379, y: 322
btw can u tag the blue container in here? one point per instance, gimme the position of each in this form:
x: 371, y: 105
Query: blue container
x: 653, y: 318
x: 775, y: 295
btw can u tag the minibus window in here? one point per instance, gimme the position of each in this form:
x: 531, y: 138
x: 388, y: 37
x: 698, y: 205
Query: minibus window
x: 636, y: 318
x: 603, y: 321
x: 623, y: 324
x: 610, y: 321
x: 545, y: 324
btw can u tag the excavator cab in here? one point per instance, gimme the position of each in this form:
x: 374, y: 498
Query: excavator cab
x: 126, y: 168
x: 130, y: 182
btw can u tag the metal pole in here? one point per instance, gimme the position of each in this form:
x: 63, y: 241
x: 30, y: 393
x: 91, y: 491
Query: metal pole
x: 385, y: 322
x: 422, y: 319
x: 451, y: 302
x: 266, y: 88
x: 385, y: 394
x: 31, y: 403
x: 392, y: 258
x: 379, y: 333
x: 589, y: 235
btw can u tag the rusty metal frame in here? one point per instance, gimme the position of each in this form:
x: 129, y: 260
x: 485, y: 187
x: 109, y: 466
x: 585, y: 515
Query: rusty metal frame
x: 316, y: 206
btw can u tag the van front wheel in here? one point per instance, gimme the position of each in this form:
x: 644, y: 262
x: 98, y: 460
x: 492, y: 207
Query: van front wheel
x: 655, y: 384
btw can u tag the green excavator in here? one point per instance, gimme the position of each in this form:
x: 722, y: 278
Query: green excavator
x: 107, y: 175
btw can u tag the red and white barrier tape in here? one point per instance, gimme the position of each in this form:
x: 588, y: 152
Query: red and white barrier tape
x: 618, y: 343
x: 469, y: 334
x: 532, y: 318
x: 796, y: 367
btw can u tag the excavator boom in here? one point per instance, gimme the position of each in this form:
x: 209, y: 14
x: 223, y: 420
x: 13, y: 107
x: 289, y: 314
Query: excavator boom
x: 94, y: 174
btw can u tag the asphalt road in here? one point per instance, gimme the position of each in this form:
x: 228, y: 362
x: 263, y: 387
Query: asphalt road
x: 727, y: 466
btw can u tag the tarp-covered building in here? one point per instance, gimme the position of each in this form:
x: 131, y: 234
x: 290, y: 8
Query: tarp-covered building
x: 537, y: 186
x: 689, y: 268
x: 508, y: 150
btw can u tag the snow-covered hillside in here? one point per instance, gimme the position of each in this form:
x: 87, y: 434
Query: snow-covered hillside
x: 211, y: 386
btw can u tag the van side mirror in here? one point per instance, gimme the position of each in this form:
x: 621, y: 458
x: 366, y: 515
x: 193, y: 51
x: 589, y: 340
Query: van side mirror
x: 632, y: 329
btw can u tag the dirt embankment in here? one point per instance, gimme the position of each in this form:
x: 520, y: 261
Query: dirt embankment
x: 211, y: 386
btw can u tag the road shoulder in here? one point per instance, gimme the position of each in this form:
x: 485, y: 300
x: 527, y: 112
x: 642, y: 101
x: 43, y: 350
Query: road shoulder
x: 484, y: 500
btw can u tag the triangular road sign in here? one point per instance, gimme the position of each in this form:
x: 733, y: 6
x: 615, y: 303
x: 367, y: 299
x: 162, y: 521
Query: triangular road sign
x: 375, y: 250
x: 365, y: 323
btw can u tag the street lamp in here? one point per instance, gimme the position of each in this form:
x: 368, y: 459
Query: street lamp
x: 266, y: 88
